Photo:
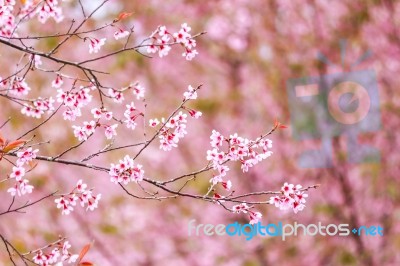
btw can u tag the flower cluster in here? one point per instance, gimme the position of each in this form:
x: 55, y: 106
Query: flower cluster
x: 173, y: 131
x: 248, y: 152
x: 26, y: 156
x: 19, y: 87
x: 175, y: 128
x: 254, y: 216
x: 7, y: 19
x: 21, y: 186
x: 292, y: 197
x: 38, y: 107
x: 81, y: 194
x: 58, y: 254
x: 83, y: 132
x: 126, y: 171
x: 74, y: 101
x: 43, y: 9
x: 162, y: 44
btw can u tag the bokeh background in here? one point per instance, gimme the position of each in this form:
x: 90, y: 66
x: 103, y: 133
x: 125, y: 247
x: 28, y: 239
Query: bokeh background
x: 249, y: 52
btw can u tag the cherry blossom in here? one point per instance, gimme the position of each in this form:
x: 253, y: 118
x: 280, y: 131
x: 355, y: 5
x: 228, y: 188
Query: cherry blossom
x: 117, y: 96
x: 21, y: 188
x: 191, y: 94
x: 154, y: 122
x: 48, y: 9
x: 126, y: 171
x: 17, y: 173
x: 72, y: 114
x: 292, y: 198
x: 95, y: 44
x: 110, y: 131
x: 80, y: 133
x: 36, y: 59
x: 255, y: 217
x: 138, y: 90
x: 174, y: 130
x: 120, y: 33
x: 58, y: 82
x: 79, y: 194
x: 39, y: 107
x: 242, y: 207
x: 163, y: 45
x: 20, y: 87
x: 190, y: 54
x: 59, y: 254
x: 26, y: 156
x: 227, y: 184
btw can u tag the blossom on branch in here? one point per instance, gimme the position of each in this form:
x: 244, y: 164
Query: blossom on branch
x: 126, y: 171
x: 293, y: 197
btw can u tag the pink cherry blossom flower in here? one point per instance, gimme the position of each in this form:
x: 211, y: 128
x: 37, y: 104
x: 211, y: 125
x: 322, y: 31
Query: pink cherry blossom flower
x: 26, y: 156
x: 95, y: 44
x: 185, y: 27
x: 96, y: 113
x: 108, y: 115
x: 163, y: 47
x: 72, y: 114
x: 181, y: 36
x: 255, y: 217
x: 20, y: 188
x: 292, y: 198
x: 80, y: 186
x: 36, y: 59
x: 227, y: 185
x: 242, y: 207
x: 152, y: 49
x: 190, y: 94
x: 20, y: 87
x: 120, y: 33
x: 126, y: 171
x: 110, y: 131
x: 93, y: 202
x: 80, y: 133
x: 117, y: 96
x: 154, y: 122
x: 138, y: 90
x: 189, y: 54
x: 58, y: 82
x: 17, y: 173
x: 162, y: 30
x: 216, y: 139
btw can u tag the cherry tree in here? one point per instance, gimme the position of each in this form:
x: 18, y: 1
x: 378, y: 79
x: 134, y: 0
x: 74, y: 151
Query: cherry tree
x: 96, y: 109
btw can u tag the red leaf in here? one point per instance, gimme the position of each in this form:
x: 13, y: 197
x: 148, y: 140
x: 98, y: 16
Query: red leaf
x: 85, y: 263
x: 282, y: 126
x: 2, y: 140
x: 84, y: 250
x: 124, y: 15
x: 14, y: 144
x: 276, y: 123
